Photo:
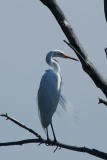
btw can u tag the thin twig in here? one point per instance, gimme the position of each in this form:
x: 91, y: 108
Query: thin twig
x: 106, y: 51
x: 102, y: 101
x: 20, y: 124
x: 55, y: 149
x: 76, y: 51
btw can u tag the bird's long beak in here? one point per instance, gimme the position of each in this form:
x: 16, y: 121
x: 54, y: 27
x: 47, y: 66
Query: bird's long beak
x: 66, y: 56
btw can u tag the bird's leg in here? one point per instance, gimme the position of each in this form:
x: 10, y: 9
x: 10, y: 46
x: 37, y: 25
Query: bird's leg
x: 47, y: 144
x: 53, y: 133
x: 47, y: 134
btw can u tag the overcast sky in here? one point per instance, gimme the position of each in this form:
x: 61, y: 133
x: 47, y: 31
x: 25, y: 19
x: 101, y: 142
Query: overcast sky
x: 28, y: 31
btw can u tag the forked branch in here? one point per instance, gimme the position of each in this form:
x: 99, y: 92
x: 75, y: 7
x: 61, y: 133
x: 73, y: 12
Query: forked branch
x: 57, y: 144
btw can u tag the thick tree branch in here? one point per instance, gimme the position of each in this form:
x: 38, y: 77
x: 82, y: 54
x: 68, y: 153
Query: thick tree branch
x: 90, y: 69
x: 93, y: 152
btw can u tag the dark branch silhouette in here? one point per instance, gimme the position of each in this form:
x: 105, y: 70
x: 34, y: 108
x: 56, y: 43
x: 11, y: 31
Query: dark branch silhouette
x: 20, y: 124
x: 102, y: 101
x: 106, y: 51
x: 105, y: 9
x: 57, y: 144
x: 87, y: 64
x: 93, y: 152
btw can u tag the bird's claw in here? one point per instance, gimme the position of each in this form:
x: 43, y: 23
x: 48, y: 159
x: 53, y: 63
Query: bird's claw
x: 48, y: 142
x: 55, y: 141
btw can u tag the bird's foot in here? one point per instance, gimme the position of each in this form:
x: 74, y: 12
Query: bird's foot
x: 48, y: 141
x: 54, y: 142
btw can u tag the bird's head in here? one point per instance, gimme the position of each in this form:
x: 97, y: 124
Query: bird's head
x: 50, y: 59
x: 58, y: 53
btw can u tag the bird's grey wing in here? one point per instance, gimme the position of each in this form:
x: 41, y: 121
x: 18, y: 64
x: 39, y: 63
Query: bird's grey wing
x: 48, y: 97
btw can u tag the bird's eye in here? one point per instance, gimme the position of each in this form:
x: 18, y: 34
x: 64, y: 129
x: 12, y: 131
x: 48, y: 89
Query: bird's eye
x: 60, y: 54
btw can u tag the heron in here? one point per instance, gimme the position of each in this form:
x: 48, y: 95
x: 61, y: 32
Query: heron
x: 49, y: 92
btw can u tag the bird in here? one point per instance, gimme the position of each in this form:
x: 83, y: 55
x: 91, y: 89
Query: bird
x: 49, y: 92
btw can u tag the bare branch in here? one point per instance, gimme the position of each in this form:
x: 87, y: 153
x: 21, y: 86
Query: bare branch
x: 40, y: 140
x: 105, y: 9
x: 90, y: 69
x: 106, y: 52
x: 93, y: 152
x: 20, y: 124
x: 102, y: 101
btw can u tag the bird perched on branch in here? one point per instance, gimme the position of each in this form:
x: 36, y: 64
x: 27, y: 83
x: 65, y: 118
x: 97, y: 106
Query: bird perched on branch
x: 49, y: 93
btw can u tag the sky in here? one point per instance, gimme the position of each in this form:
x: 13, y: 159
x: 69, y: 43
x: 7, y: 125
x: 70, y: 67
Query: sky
x: 28, y: 31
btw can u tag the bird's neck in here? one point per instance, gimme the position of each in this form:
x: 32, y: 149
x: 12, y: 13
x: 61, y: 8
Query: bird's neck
x: 54, y: 64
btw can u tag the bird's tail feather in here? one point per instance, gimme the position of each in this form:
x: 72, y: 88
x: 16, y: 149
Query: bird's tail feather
x: 62, y: 102
x: 66, y: 104
x: 68, y: 107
